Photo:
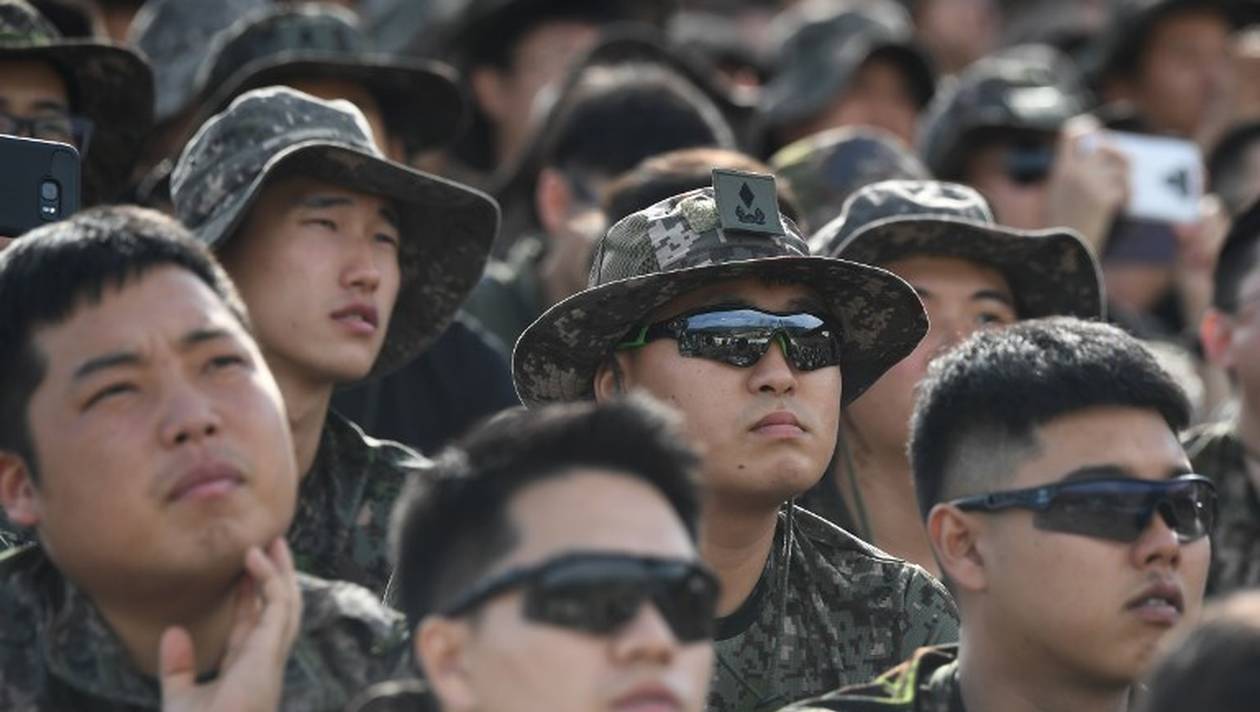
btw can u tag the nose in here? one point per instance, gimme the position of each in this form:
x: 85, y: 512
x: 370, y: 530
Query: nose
x: 362, y: 266
x: 646, y: 638
x: 772, y: 373
x: 1158, y: 545
x: 190, y: 418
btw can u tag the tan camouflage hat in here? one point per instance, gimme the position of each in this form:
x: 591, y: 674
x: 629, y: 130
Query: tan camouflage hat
x: 447, y: 228
x: 109, y: 85
x: 701, y: 237
x: 1051, y: 272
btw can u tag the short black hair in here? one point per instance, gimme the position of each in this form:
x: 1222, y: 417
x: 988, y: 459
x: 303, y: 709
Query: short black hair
x: 983, y: 399
x: 1213, y: 666
x: 1238, y: 258
x: 451, y: 525
x: 615, y: 115
x: 51, y: 272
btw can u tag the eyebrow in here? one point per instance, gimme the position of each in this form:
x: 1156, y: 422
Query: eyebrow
x: 121, y: 359
x: 732, y: 301
x: 1102, y: 472
x: 983, y: 294
x: 320, y: 201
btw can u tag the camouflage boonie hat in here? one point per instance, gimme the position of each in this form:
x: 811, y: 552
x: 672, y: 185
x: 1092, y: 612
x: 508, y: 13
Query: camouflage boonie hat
x: 1028, y: 89
x: 822, y: 44
x: 421, y: 100
x: 699, y: 238
x: 826, y: 168
x: 174, y: 35
x: 1050, y: 272
x: 446, y: 228
x: 109, y: 85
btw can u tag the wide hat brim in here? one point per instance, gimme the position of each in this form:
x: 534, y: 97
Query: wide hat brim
x: 113, y: 87
x: 557, y: 357
x: 1050, y: 272
x: 447, y: 230
x: 422, y: 101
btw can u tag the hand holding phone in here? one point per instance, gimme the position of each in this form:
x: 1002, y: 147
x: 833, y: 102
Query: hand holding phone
x: 39, y: 183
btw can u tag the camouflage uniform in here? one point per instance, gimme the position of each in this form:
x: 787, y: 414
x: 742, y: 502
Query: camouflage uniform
x: 829, y: 611
x: 1217, y: 452
x: 928, y: 682
x: 344, y: 504
x: 57, y: 652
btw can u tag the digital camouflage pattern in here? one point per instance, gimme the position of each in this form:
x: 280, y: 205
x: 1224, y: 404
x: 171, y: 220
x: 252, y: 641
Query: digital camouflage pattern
x: 928, y: 682
x: 1030, y: 91
x: 824, y: 169
x: 57, y: 652
x: 278, y: 44
x: 1050, y: 272
x: 677, y: 246
x: 110, y: 86
x: 821, y: 45
x: 832, y: 611
x: 447, y: 228
x: 1218, y: 453
x: 341, y: 525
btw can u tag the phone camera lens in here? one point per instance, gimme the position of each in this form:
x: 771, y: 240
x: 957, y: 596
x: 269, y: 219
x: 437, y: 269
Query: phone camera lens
x: 49, y: 190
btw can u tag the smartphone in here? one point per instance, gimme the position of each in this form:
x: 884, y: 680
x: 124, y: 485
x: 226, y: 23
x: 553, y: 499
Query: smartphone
x: 1166, y: 177
x: 39, y: 183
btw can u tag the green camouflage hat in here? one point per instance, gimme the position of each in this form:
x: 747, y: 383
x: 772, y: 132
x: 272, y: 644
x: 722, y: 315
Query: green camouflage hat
x: 109, y: 85
x: 421, y: 100
x: 447, y: 228
x: 1028, y: 89
x: 822, y: 43
x: 1050, y: 272
x: 826, y: 168
x: 698, y: 238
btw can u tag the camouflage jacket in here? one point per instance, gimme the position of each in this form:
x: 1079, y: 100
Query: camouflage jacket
x: 57, y: 653
x: 1217, y: 453
x: 928, y: 682
x: 830, y: 610
x: 344, y: 505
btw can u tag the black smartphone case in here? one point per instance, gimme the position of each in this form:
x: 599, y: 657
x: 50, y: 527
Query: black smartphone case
x: 26, y: 165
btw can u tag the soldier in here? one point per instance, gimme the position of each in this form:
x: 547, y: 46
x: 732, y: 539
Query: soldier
x: 125, y: 355
x: 97, y: 97
x: 551, y: 566
x: 1229, y: 451
x: 1064, y: 606
x: 880, y: 79
x: 353, y: 265
x: 710, y: 301
x: 971, y: 274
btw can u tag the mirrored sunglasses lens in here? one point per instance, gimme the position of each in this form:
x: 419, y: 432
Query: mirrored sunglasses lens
x: 1106, y: 510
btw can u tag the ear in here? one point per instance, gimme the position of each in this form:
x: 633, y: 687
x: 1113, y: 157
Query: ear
x: 18, y: 494
x: 1216, y: 331
x: 487, y: 88
x: 553, y: 200
x: 956, y: 540
x: 610, y: 379
x: 441, y: 646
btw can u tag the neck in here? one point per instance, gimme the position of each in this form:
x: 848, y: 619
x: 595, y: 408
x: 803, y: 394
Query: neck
x: 736, y: 544
x: 994, y: 680
x: 885, y: 486
x: 306, y: 401
x: 206, y: 613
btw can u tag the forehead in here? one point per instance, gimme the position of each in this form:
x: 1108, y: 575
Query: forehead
x: 754, y: 292
x: 28, y: 79
x: 1137, y: 441
x: 595, y: 509
x: 954, y: 271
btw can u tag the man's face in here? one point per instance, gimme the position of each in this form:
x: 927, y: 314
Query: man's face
x: 1019, y: 198
x: 960, y: 297
x: 34, y: 91
x: 748, y: 459
x: 1184, y: 71
x: 513, y: 663
x: 879, y: 95
x: 318, y: 266
x: 1074, y: 603
x: 161, y: 442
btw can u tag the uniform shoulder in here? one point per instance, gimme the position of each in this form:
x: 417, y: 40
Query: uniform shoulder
x: 22, y: 676
x: 916, y: 684
x: 380, y: 453
x: 844, y: 549
x: 1207, y: 436
x: 352, y: 630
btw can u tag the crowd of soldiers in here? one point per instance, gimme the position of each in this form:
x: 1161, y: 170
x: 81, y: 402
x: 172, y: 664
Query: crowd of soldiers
x: 630, y: 355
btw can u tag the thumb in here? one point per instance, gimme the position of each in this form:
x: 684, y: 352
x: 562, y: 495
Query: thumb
x: 176, y: 662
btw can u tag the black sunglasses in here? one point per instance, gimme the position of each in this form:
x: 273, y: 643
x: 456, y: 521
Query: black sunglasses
x: 1027, y: 164
x: 1118, y: 509
x: 599, y: 593
x: 740, y: 337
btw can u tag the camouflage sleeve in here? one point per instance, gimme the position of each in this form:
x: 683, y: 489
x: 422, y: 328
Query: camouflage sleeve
x: 931, y: 615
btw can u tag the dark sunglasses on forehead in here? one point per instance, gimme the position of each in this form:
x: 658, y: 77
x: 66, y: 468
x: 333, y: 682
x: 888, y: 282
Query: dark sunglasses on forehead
x: 741, y: 336
x: 599, y: 593
x: 1118, y: 509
